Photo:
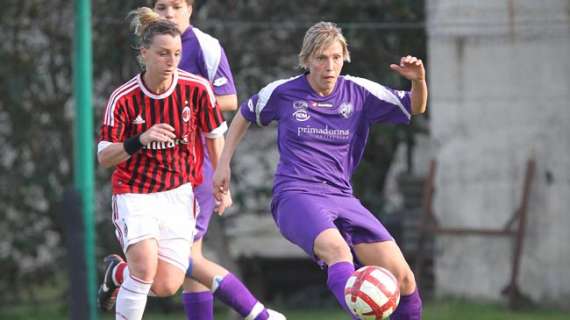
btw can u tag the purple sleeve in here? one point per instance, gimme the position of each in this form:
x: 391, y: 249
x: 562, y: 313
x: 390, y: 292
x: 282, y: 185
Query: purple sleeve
x: 258, y: 110
x: 388, y: 106
x: 223, y: 82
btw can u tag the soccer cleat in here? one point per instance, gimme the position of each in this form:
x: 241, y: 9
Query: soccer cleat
x: 274, y: 315
x: 108, y: 290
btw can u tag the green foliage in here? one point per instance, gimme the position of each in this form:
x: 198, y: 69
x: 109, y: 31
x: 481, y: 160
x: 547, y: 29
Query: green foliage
x: 34, y: 125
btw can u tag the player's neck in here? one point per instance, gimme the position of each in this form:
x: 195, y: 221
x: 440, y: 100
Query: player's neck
x: 157, y: 84
x: 321, y: 89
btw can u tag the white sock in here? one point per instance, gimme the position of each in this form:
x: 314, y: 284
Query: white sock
x: 126, y: 275
x: 131, y: 299
x: 255, y: 311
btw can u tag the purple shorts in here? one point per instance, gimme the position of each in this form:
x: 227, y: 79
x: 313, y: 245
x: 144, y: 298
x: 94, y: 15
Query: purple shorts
x: 302, y: 216
x: 206, y: 202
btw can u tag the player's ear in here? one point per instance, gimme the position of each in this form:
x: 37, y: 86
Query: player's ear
x: 143, y: 53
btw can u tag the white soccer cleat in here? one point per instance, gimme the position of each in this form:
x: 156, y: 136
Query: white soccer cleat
x: 274, y: 315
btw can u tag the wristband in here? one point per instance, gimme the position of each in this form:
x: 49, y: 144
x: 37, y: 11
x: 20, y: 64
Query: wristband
x: 132, y: 144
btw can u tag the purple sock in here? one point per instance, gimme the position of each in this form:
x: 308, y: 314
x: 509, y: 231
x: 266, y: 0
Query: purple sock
x: 409, y: 308
x: 198, y: 305
x: 337, y: 277
x: 234, y: 294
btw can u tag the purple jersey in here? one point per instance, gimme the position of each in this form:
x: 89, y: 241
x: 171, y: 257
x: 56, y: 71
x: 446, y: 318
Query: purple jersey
x: 321, y: 139
x: 203, y: 55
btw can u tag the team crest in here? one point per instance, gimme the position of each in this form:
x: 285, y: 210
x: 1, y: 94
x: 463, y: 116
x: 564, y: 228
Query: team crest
x: 301, y: 112
x: 346, y: 110
x: 186, y: 113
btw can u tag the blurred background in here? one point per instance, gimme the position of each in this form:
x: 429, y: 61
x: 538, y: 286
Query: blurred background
x: 476, y: 191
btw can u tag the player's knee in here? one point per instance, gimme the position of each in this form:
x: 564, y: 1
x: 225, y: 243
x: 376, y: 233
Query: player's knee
x: 145, y: 272
x: 334, y: 251
x: 407, y: 281
x: 165, y: 288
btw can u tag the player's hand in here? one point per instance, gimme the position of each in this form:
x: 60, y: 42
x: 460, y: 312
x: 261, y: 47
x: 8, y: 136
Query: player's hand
x: 160, y: 132
x: 224, y: 202
x: 410, y: 68
x: 221, y: 180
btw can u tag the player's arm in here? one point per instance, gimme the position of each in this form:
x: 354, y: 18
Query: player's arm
x: 113, y: 153
x: 227, y: 102
x: 237, y: 130
x: 413, y: 69
x: 224, y: 86
x: 214, y: 147
x: 419, y: 94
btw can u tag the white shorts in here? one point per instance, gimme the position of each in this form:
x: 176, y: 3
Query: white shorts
x: 165, y: 216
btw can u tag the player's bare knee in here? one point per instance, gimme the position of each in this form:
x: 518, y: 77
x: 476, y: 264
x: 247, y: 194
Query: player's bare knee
x: 145, y: 272
x: 407, y: 281
x: 165, y: 288
x: 334, y: 251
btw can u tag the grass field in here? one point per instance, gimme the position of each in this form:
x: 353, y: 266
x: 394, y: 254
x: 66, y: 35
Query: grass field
x: 455, y: 310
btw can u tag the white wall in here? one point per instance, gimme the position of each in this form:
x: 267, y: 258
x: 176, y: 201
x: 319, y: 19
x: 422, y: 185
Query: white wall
x: 499, y: 75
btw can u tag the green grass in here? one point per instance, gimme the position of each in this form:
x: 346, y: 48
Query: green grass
x: 454, y: 310
x: 448, y: 310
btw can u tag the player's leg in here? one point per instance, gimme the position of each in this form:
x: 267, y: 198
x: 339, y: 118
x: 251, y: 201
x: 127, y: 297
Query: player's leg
x: 306, y: 220
x: 197, y: 298
x: 331, y: 247
x: 209, y: 279
x: 387, y: 255
x: 137, y: 232
x: 172, y: 266
x: 227, y: 287
x: 373, y: 245
x: 142, y: 264
x: 176, y: 234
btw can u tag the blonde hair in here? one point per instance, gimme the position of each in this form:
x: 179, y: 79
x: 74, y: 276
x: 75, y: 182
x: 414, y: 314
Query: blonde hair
x: 146, y: 24
x: 317, y: 38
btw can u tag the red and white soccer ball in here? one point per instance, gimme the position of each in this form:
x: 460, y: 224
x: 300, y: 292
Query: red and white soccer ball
x: 372, y: 293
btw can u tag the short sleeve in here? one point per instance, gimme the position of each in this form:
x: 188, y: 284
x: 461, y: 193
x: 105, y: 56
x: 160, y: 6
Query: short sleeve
x: 262, y: 107
x: 383, y: 104
x: 217, y: 67
x: 223, y: 81
x: 257, y: 110
x: 211, y: 120
x: 114, y: 123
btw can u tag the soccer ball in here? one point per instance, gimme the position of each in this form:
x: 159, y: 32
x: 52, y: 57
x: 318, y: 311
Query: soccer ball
x: 372, y: 293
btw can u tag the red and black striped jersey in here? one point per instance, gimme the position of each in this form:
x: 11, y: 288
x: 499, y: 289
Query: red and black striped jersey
x: 189, y: 106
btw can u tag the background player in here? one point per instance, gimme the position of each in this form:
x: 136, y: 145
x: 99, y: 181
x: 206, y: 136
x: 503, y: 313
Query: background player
x: 202, y: 54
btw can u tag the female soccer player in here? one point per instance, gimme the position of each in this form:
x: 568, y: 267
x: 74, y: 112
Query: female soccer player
x: 151, y: 135
x: 323, y: 123
x: 202, y: 55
